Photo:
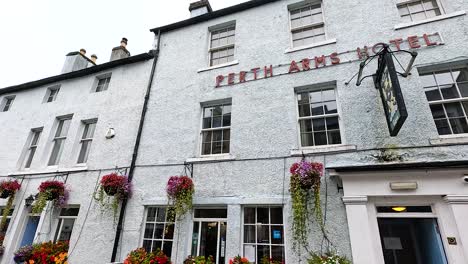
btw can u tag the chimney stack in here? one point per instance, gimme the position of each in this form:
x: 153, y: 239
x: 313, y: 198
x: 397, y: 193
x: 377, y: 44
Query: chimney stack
x: 121, y: 51
x: 94, y: 58
x: 199, y: 8
x: 76, y: 61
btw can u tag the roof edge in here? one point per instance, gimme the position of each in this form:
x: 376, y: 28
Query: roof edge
x: 80, y: 73
x: 212, y: 15
x: 401, y: 166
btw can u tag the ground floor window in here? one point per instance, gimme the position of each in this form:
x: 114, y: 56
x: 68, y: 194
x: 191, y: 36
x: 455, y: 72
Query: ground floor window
x: 159, y: 229
x: 410, y: 235
x: 65, y: 224
x: 263, y: 233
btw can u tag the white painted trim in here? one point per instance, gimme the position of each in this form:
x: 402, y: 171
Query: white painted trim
x: 351, y: 200
x: 456, y: 199
x: 155, y: 202
x: 318, y: 44
x: 234, y: 62
x: 429, y: 20
x: 50, y: 169
x: 450, y: 139
x: 322, y: 149
x: 207, y: 158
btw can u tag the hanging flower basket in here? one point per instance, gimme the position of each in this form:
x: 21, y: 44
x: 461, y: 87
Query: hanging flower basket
x: 50, y: 191
x: 328, y: 258
x: 8, y: 188
x: 180, y: 192
x: 116, y: 186
x: 140, y: 256
x: 305, y: 178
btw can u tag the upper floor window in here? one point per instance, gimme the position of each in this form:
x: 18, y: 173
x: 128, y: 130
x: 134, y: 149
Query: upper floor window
x: 222, y: 45
x: 447, y: 93
x: 59, y: 140
x: 307, y: 24
x: 36, y: 133
x: 216, y: 129
x: 7, y: 102
x: 52, y: 93
x: 65, y: 224
x: 86, y: 139
x: 318, y: 118
x: 103, y: 83
x: 416, y: 10
x: 159, y: 229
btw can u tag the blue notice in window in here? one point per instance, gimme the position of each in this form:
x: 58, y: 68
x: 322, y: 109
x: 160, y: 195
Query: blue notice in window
x: 276, y: 234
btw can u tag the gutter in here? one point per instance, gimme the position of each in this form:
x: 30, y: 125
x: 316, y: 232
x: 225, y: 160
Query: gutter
x: 135, y: 150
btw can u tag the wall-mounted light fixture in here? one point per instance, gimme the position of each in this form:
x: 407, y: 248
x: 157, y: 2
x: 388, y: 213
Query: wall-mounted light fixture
x: 29, y: 201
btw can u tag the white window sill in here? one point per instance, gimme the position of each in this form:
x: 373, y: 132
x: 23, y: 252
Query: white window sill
x: 322, y: 149
x: 450, y: 139
x: 49, y: 169
x: 221, y: 157
x: 429, y: 20
x: 227, y: 64
x: 318, y: 44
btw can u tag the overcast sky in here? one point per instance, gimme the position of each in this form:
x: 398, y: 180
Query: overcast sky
x: 36, y: 35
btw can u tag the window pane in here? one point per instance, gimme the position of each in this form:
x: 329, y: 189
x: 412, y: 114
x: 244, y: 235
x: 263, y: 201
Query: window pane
x: 330, y: 108
x: 430, y: 4
x: 262, y: 215
x: 444, y: 78
x: 226, y: 134
x: 249, y: 215
x: 276, y: 215
x: 433, y: 94
x: 69, y: 211
x: 454, y: 110
x: 226, y: 120
x: 433, y: 13
x: 449, y: 91
x: 415, y: 7
x: 151, y: 215
x: 84, y: 151
x: 161, y: 217
x: 206, y: 136
x: 307, y: 139
x: 207, y: 122
x: 319, y: 124
x: 304, y: 110
x: 67, y: 229
x: 316, y: 97
x: 263, y: 234
x: 147, y: 245
x: 427, y: 80
x: 225, y: 146
x: 418, y: 16
x: 206, y: 148
x: 320, y: 138
x: 31, y: 153
x: 158, y: 232
x: 403, y: 10
x: 305, y: 125
x: 156, y: 245
x: 332, y: 123
x: 276, y: 235
x: 334, y: 137
x: 463, y: 89
x: 216, y: 147
x: 459, y: 125
x: 277, y: 253
x: 249, y: 234
x: 169, y: 231
x: 217, y: 135
x: 317, y: 109
x: 442, y: 127
x: 149, y: 231
x: 167, y: 248
x: 55, y: 152
x: 217, y: 121
x: 262, y: 251
x: 437, y: 111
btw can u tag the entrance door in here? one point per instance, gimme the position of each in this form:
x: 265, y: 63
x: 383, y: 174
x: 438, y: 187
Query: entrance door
x: 411, y: 241
x: 209, y: 234
x: 30, y: 230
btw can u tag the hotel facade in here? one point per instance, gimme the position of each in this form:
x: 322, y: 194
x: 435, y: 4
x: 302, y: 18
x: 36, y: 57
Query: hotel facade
x: 233, y: 98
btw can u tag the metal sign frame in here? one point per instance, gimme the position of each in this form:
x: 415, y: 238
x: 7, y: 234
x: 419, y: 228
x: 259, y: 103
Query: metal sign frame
x: 387, y: 83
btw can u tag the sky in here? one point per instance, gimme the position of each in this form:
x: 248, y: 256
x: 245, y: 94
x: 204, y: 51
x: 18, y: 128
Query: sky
x: 36, y: 35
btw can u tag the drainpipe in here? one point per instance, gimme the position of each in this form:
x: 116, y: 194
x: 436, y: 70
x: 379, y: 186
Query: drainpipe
x: 135, y: 150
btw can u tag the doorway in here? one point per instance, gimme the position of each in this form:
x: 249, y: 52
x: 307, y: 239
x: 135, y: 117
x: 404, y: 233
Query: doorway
x: 209, y: 234
x: 411, y: 240
x: 30, y: 230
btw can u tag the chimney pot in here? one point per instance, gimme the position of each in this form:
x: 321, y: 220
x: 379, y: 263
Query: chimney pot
x: 83, y: 52
x: 94, y: 58
x: 124, y: 42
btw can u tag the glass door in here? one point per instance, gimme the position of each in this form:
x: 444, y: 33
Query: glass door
x: 209, y: 234
x: 30, y: 230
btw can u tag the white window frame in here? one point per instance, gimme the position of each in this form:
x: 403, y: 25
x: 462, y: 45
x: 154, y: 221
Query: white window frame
x: 208, y: 105
x: 443, y: 101
x: 211, y: 49
x: 86, y: 124
x: 284, y: 245
x: 300, y: 5
x: 32, y: 148
x: 55, y: 89
x: 315, y: 88
x: 163, y: 239
x: 106, y: 76
x: 61, y: 220
x: 57, y: 138
x: 406, y: 2
x: 7, y: 103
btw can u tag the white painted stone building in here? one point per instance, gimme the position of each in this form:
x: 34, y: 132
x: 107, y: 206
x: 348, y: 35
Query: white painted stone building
x: 229, y: 107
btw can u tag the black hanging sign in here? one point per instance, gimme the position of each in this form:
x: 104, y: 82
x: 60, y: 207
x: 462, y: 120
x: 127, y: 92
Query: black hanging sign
x: 392, y: 99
